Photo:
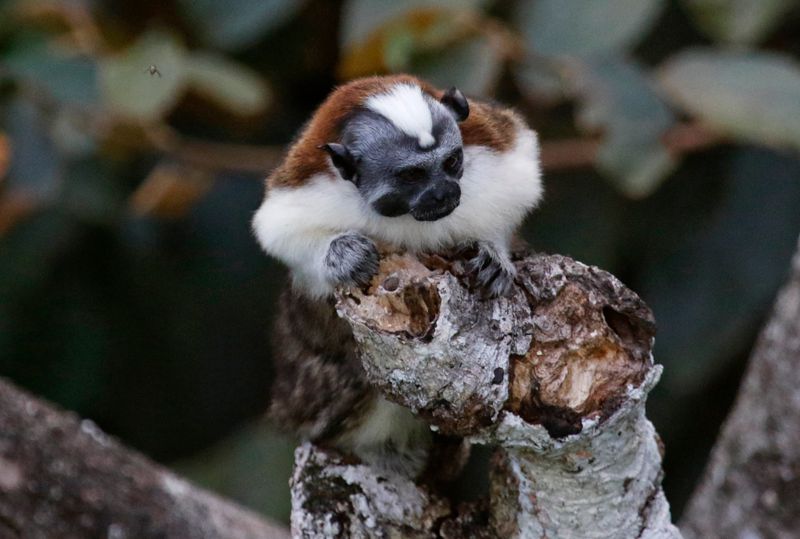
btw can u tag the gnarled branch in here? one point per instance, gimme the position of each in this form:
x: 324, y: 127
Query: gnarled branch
x: 555, y: 377
x: 751, y: 485
x: 62, y: 477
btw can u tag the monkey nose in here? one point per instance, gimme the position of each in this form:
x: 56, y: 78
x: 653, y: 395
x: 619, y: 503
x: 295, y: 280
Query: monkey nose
x: 447, y: 190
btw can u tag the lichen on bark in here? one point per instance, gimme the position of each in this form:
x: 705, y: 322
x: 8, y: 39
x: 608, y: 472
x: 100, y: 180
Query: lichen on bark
x: 751, y: 484
x: 554, y: 376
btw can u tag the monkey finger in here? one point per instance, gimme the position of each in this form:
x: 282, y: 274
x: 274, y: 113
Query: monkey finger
x: 497, y: 284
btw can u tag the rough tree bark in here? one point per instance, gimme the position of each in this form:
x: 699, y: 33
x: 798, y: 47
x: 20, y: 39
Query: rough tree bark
x: 555, y: 377
x: 751, y: 487
x: 64, y: 478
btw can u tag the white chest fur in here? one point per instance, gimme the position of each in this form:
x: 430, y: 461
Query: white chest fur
x: 497, y: 190
x: 390, y: 437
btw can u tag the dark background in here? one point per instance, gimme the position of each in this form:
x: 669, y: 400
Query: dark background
x: 134, y: 137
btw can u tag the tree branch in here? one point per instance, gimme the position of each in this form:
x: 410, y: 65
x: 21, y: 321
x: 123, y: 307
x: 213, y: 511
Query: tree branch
x: 555, y: 377
x: 556, y: 155
x: 751, y: 485
x: 578, y: 153
x: 214, y: 155
x: 62, y: 477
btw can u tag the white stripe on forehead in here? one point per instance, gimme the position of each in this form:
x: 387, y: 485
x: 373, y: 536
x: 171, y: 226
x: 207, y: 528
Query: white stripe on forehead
x: 405, y: 106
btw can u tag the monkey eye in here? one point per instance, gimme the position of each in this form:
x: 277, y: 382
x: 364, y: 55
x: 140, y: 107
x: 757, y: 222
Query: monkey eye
x: 452, y: 165
x: 412, y: 174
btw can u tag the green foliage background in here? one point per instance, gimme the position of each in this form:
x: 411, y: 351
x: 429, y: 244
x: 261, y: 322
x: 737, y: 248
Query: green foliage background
x: 134, y: 137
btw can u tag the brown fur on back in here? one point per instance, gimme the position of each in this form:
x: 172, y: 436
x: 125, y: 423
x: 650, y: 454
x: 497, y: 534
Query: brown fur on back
x: 319, y: 390
x: 487, y: 125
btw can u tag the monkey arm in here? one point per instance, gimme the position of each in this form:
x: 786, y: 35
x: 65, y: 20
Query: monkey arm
x: 316, y: 239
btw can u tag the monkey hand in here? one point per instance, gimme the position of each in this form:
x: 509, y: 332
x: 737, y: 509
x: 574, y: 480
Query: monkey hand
x: 491, y: 271
x: 352, y: 259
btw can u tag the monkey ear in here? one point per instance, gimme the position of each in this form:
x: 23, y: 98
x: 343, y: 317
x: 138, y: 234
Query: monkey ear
x: 454, y: 100
x: 342, y: 159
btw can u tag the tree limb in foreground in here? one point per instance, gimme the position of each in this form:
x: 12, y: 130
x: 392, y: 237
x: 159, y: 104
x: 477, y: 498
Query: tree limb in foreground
x: 751, y: 487
x: 64, y: 478
x: 554, y: 377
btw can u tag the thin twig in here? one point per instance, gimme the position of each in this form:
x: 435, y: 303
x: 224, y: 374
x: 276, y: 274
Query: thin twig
x: 556, y: 155
x: 215, y: 155
x: 581, y: 152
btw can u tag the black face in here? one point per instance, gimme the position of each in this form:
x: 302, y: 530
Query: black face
x: 394, y: 173
x: 428, y: 190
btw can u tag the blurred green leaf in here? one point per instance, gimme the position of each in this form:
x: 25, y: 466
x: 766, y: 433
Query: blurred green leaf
x: 540, y: 78
x: 64, y: 74
x: 471, y: 65
x: 582, y: 218
x: 751, y: 95
x: 399, y: 36
x: 399, y: 50
x: 232, y: 85
x: 129, y: 86
x: 71, y: 134
x: 235, y: 24
x: 92, y: 192
x: 7, y: 19
x: 617, y: 99
x: 585, y: 27
x: 35, y: 164
x: 361, y: 18
x: 55, y: 339
x: 80, y: 339
x: 709, y: 294
x: 738, y: 21
x: 27, y: 254
x: 228, y: 470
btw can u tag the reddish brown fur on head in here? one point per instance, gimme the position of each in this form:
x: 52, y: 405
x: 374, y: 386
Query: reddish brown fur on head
x: 486, y: 125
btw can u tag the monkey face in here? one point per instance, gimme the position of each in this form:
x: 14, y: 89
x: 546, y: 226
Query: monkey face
x: 402, y: 161
x: 399, y: 177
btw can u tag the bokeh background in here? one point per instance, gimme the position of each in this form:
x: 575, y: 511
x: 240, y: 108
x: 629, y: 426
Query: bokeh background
x: 134, y: 137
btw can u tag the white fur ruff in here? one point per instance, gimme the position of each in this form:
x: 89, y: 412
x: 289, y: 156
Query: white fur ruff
x: 391, y: 438
x: 297, y: 224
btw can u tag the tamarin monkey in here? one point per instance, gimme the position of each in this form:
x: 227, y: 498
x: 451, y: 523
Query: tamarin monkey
x: 389, y: 160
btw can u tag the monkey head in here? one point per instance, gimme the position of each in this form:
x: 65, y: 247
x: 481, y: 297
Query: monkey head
x: 403, y: 152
